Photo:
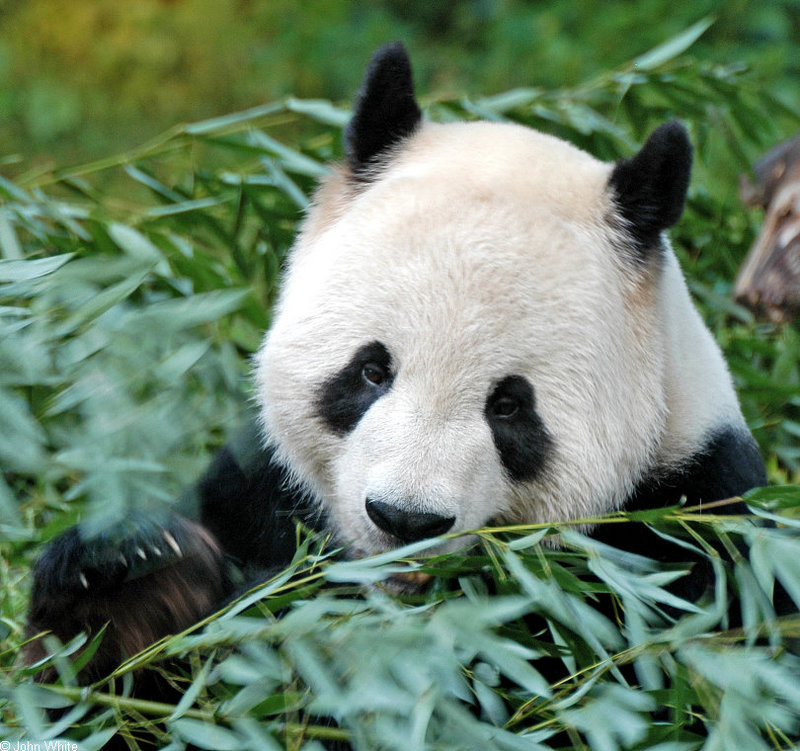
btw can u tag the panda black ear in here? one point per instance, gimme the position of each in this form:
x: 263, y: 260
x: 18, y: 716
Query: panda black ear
x: 386, y: 111
x: 649, y: 189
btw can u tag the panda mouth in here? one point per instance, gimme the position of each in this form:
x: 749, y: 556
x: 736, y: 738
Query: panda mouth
x: 415, y: 579
x: 402, y: 582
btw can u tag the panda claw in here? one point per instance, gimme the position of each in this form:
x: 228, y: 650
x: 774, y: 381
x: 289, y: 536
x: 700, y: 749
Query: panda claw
x: 83, y: 580
x: 173, y: 543
x: 156, y: 551
x: 140, y: 552
x: 123, y: 560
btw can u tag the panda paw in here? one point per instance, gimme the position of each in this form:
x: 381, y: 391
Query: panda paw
x: 77, y: 564
x: 146, y: 577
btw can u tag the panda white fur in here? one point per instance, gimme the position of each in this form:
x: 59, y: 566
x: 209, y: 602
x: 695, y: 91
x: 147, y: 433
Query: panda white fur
x: 478, y: 323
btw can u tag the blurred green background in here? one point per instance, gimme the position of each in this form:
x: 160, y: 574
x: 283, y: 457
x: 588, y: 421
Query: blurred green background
x: 81, y: 79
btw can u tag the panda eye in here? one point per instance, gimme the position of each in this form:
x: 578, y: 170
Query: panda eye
x: 505, y: 407
x: 374, y: 374
x: 345, y: 397
x: 519, y: 434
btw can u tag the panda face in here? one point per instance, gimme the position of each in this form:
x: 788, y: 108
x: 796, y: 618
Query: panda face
x: 453, y: 345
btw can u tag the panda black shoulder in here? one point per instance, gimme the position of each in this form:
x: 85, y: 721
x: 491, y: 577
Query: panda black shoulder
x: 245, y: 488
x: 728, y: 465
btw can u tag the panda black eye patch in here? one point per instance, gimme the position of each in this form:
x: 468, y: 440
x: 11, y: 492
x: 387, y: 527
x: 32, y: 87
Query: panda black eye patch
x: 518, y: 432
x: 346, y: 396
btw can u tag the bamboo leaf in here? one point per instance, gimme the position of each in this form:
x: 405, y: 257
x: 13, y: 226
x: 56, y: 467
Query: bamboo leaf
x: 207, y: 736
x: 194, y: 690
x: 134, y: 243
x: 674, y: 47
x: 319, y: 109
x: 26, y: 270
x: 236, y: 119
x: 9, y: 244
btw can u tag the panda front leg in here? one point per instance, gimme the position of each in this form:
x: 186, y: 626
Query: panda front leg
x: 153, y: 575
x: 146, y: 578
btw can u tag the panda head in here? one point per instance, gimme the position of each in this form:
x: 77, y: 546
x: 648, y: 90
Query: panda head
x: 469, y: 329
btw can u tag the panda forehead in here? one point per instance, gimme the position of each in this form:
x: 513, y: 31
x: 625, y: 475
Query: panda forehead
x: 506, y: 162
x: 470, y: 163
x: 470, y: 184
x: 421, y: 245
x: 427, y: 274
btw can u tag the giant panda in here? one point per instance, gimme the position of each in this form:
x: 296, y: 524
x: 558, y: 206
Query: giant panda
x: 478, y: 323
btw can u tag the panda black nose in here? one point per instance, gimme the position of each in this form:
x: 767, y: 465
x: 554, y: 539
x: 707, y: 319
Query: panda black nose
x: 407, y: 526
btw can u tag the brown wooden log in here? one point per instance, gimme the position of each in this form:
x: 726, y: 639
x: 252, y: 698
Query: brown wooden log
x: 769, y: 280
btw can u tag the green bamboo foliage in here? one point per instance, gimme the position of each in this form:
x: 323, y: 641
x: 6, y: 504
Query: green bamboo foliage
x: 132, y: 293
